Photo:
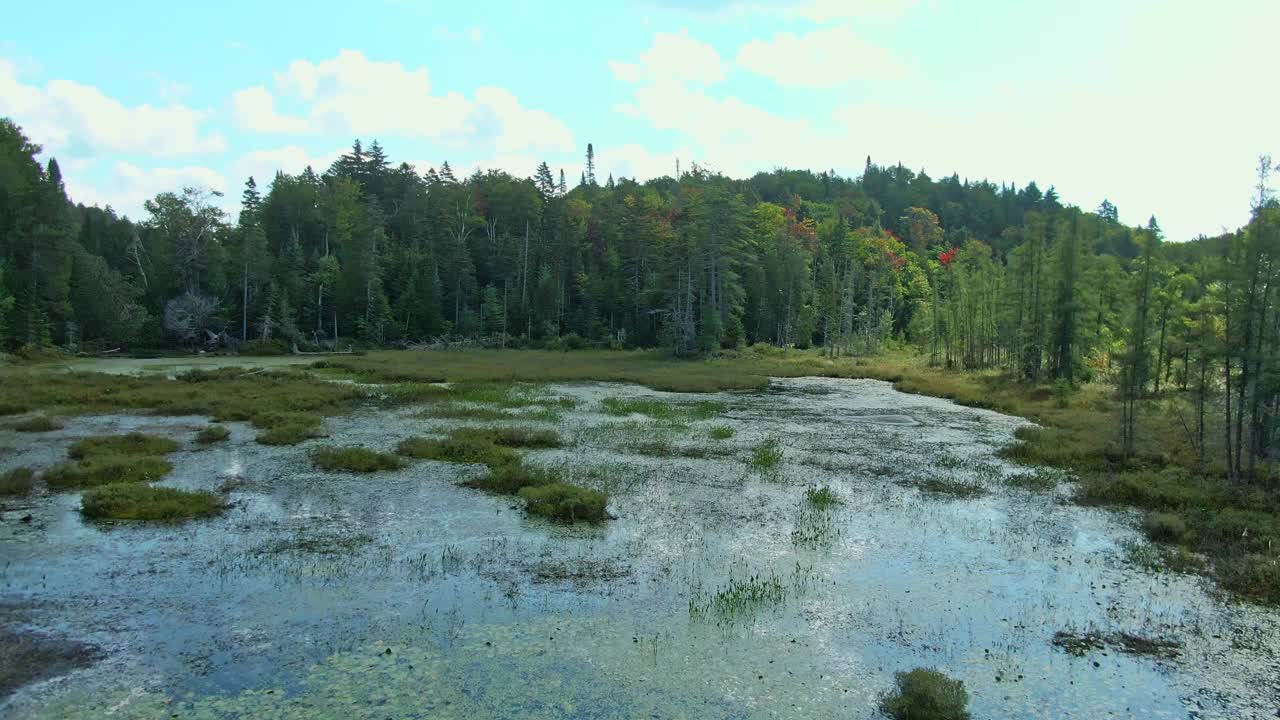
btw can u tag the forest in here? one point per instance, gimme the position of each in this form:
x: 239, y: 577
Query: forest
x: 369, y: 253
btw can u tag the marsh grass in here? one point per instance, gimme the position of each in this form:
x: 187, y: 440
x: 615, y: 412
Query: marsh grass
x: 565, y: 503
x: 133, y: 501
x: 721, y: 432
x: 926, y: 694
x: 106, y: 470
x: 212, y: 434
x: 38, y: 424
x: 823, y: 498
x: 662, y: 409
x: 17, y: 481
x: 510, y: 478
x: 954, y: 488
x: 457, y: 449
x: 767, y: 456
x: 1039, y: 480
x: 134, y: 443
x: 512, y: 437
x: 355, y: 459
x: 457, y: 411
x: 739, y: 597
x: 287, y: 428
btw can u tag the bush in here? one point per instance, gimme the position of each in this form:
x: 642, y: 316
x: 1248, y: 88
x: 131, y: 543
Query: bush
x: 144, y: 502
x: 924, y: 694
x: 212, y: 434
x: 39, y: 424
x: 457, y: 450
x: 511, y: 478
x: 1164, y: 527
x: 17, y: 481
x: 106, y: 470
x: 355, y: 459
x: 564, y: 502
x: 134, y: 443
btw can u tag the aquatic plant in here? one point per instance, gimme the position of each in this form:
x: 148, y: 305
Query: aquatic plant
x: 134, y: 443
x: 457, y: 449
x: 721, y: 432
x: 106, y: 470
x: 660, y: 409
x: 821, y: 498
x: 17, y: 481
x: 926, y: 694
x: 564, y: 502
x: 512, y: 437
x: 509, y: 478
x: 767, y: 455
x: 354, y: 459
x: 456, y: 411
x: 133, y: 501
x: 1040, y: 480
x: 38, y: 424
x: 946, y: 486
x: 212, y: 434
x: 739, y: 597
x: 287, y: 428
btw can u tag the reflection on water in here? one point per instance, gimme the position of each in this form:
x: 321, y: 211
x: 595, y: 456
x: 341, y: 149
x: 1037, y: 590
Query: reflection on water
x: 716, y: 592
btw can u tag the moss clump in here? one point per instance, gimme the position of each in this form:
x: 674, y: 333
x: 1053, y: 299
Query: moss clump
x: 925, y: 694
x: 212, y: 434
x: 134, y: 443
x: 132, y: 501
x: 38, y: 424
x: 355, y: 459
x: 721, y: 432
x: 511, y: 478
x: 106, y: 470
x: 457, y: 450
x: 565, y: 503
x: 17, y: 481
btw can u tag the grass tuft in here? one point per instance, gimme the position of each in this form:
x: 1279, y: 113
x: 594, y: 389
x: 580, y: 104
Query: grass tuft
x: 144, y: 502
x: 17, y: 481
x: 721, y: 432
x: 767, y: 456
x: 212, y: 434
x: 134, y: 443
x: 106, y: 470
x: 821, y: 498
x: 38, y: 424
x: 512, y: 437
x: 956, y: 488
x: 455, y: 449
x: 354, y: 459
x: 925, y: 694
x: 511, y: 478
x: 565, y: 503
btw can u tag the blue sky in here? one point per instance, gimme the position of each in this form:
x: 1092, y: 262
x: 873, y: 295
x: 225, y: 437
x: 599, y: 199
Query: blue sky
x: 1161, y: 107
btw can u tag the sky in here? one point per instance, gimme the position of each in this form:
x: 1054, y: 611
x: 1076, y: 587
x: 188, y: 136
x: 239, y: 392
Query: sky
x: 1161, y: 106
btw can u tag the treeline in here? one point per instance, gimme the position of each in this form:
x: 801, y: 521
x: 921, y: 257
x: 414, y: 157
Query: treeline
x: 979, y: 275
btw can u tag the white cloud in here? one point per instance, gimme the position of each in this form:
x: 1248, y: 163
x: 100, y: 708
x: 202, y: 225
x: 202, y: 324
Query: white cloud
x: 351, y: 94
x: 255, y: 110
x: 673, y: 56
x: 291, y: 159
x: 130, y: 186
x: 81, y: 121
x: 823, y: 58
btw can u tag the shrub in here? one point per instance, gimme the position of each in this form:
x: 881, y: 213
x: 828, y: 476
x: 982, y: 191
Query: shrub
x: 511, y: 478
x: 106, y: 470
x: 212, y: 434
x: 721, y: 432
x: 264, y: 348
x: 457, y: 450
x: 1164, y: 527
x: 144, y: 502
x: 17, y: 481
x: 1252, y: 576
x: 135, y: 443
x: 355, y: 459
x: 39, y: 424
x: 925, y: 694
x: 564, y: 502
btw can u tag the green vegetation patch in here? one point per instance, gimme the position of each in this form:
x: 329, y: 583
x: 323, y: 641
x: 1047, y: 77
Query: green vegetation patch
x: 355, y: 459
x: 767, y: 456
x: 821, y: 498
x: 457, y: 449
x: 510, y: 478
x: 660, y: 409
x: 132, y: 501
x: 512, y: 437
x: 17, y: 481
x: 721, y: 432
x: 955, y: 488
x: 134, y: 443
x: 106, y: 470
x: 565, y: 503
x: 287, y: 428
x: 926, y: 694
x: 38, y: 424
x: 456, y: 411
x: 213, y: 434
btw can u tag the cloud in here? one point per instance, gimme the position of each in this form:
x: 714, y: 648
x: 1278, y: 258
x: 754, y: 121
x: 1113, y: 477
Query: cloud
x: 673, y: 57
x: 291, y: 159
x: 818, y: 11
x: 81, y: 121
x: 351, y: 94
x: 130, y: 186
x: 826, y: 57
x: 255, y: 110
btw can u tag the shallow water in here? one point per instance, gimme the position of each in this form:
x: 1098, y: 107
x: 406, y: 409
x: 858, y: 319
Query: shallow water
x: 405, y: 595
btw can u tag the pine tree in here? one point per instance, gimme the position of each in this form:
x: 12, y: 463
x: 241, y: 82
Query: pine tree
x: 589, y: 176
